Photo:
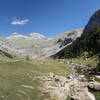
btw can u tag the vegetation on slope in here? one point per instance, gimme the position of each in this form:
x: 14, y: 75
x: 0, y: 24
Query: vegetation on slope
x: 86, y: 47
x: 6, y: 54
x: 89, y: 42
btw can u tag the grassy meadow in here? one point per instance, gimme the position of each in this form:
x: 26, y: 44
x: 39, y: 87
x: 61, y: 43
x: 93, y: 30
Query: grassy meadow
x: 17, y: 77
x: 90, y: 62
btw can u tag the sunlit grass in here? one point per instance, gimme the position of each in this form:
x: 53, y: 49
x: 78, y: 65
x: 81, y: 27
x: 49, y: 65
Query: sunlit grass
x: 17, y: 77
x: 90, y: 62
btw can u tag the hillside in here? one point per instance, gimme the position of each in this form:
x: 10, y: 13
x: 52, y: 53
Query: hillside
x: 70, y: 33
x: 93, y: 22
x: 89, y: 42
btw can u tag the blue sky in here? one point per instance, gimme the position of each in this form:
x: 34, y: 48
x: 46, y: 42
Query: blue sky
x: 48, y: 17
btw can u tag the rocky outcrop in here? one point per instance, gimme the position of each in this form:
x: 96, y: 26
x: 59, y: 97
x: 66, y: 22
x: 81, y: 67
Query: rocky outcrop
x: 93, y: 22
x: 66, y: 41
x: 95, y: 86
x: 68, y: 37
x: 79, y: 71
x: 76, y: 86
x: 59, y: 88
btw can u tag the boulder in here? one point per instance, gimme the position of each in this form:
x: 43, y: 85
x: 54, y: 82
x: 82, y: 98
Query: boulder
x: 94, y: 86
x: 59, y: 88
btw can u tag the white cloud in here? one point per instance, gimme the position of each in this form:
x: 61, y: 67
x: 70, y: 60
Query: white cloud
x: 19, y: 22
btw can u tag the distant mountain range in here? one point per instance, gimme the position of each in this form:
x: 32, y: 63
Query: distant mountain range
x: 37, y: 45
x: 66, y: 44
x: 16, y: 35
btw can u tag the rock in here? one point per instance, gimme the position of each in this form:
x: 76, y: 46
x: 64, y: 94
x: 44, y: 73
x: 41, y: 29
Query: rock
x: 94, y: 86
x: 79, y: 91
x: 82, y: 78
x: 59, y: 88
x: 93, y: 22
x: 51, y: 75
x: 91, y: 96
x: 66, y: 41
x: 68, y: 62
x: 83, y: 96
x: 70, y: 77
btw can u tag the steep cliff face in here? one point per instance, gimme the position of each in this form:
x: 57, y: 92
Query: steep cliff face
x: 68, y: 37
x: 93, y: 22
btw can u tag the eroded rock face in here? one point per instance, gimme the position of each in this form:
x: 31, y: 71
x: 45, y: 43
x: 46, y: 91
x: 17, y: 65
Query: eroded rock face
x: 93, y: 22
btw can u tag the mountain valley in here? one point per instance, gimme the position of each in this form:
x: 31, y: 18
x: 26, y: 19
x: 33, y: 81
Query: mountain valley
x: 64, y: 67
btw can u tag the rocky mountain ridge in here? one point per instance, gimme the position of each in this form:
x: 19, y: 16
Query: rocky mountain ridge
x: 93, y: 22
x: 36, y: 44
x: 33, y: 35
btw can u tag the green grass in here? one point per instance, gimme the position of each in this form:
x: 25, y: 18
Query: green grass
x: 17, y: 78
x: 90, y: 62
x: 68, y: 98
x: 97, y: 95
